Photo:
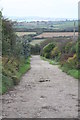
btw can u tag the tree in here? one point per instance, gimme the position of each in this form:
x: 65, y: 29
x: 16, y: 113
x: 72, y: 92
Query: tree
x: 9, y: 37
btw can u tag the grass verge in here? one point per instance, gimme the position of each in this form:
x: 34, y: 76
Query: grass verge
x: 9, y: 80
x: 52, y: 62
x: 72, y: 72
x: 24, y: 68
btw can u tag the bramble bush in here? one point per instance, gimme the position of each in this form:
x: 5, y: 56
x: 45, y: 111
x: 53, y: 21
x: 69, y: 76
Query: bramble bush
x: 55, y: 53
x: 47, y: 50
x: 66, y: 53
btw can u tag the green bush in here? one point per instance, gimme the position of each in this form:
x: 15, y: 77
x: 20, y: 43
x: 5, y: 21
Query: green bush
x: 11, y: 75
x: 47, y: 50
x: 15, y: 51
x: 72, y: 62
x: 68, y: 47
x: 73, y: 49
x: 66, y: 53
x: 35, y: 50
x: 55, y: 53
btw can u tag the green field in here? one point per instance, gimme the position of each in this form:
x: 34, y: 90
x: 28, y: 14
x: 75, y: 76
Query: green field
x: 66, y: 24
x: 37, y: 41
x: 47, y: 26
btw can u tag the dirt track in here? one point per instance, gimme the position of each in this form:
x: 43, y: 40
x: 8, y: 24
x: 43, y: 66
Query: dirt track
x: 44, y: 92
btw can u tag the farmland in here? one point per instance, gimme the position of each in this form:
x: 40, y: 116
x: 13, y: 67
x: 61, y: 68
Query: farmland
x: 56, y: 34
x: 25, y: 33
x: 37, y: 41
x: 46, y: 26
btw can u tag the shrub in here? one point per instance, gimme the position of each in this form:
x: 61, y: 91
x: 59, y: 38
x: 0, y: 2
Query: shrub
x: 47, y: 50
x: 68, y: 47
x: 73, y: 49
x: 35, y: 50
x: 55, y: 53
x: 72, y: 61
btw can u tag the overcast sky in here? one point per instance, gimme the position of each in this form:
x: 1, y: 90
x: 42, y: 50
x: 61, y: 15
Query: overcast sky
x: 41, y: 8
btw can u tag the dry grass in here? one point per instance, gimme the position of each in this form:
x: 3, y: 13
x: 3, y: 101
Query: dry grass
x: 37, y: 41
x: 25, y: 33
x: 56, y: 34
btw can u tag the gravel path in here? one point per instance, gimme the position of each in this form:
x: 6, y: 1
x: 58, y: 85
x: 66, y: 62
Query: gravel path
x: 44, y: 92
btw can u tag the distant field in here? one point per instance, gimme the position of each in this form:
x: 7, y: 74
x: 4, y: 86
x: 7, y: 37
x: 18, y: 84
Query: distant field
x: 48, y: 25
x: 56, y: 34
x: 37, y: 41
x: 25, y: 33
